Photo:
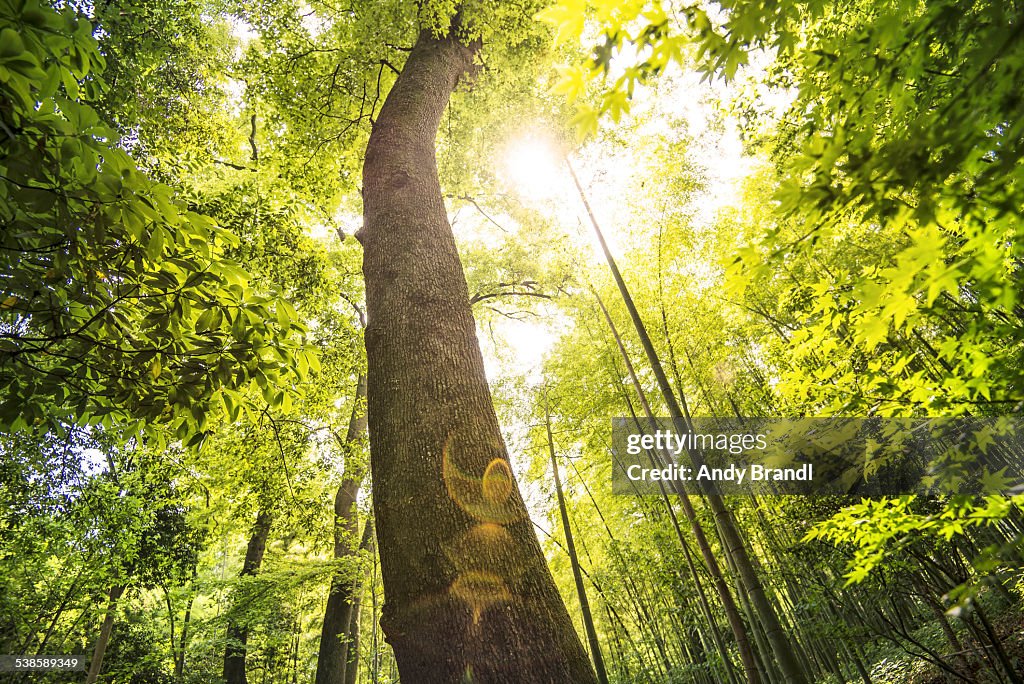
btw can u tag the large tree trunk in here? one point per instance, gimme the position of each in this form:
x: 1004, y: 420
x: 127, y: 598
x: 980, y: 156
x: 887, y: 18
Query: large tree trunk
x: 468, y: 595
x: 238, y: 633
x: 335, y: 634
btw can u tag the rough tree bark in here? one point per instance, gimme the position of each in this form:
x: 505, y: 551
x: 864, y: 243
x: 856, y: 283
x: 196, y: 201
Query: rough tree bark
x: 335, y: 633
x: 468, y: 595
x: 238, y: 634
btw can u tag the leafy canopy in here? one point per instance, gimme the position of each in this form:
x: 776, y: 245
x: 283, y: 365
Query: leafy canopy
x: 116, y: 300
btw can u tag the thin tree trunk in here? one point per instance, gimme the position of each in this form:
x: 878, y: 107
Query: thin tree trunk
x: 296, y: 639
x: 352, y: 647
x: 739, y: 630
x: 238, y: 633
x: 853, y: 657
x: 113, y: 596
x: 716, y: 634
x: 468, y: 595
x: 170, y: 621
x: 733, y: 543
x: 352, y: 654
x: 375, y: 623
x: 570, y: 547
x: 334, y: 634
x: 997, y: 646
x: 179, y: 658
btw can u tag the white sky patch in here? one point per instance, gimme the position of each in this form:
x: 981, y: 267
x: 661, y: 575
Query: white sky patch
x: 314, y: 23
x: 235, y: 90
x: 243, y: 32
x: 518, y: 348
x: 607, y: 182
x: 470, y: 222
x: 529, y: 342
x: 93, y: 461
x: 345, y: 221
x: 320, y: 231
x: 771, y: 100
x: 727, y: 166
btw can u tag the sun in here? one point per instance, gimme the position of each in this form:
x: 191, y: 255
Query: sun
x: 532, y: 166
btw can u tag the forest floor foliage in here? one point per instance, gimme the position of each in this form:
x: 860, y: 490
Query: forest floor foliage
x: 894, y: 665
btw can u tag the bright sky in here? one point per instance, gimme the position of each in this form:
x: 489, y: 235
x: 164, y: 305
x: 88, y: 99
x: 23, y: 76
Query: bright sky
x: 243, y: 31
x: 533, y: 168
